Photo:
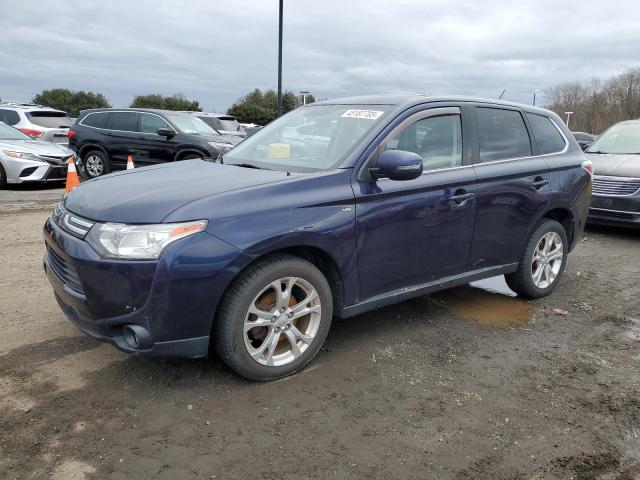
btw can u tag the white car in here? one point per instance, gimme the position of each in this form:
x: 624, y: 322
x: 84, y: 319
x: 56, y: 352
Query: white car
x: 42, y: 123
x: 24, y: 160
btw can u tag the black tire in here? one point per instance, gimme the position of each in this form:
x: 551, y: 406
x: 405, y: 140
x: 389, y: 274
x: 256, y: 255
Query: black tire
x: 228, y: 336
x: 522, y: 281
x: 192, y: 156
x: 106, y: 164
x: 3, y: 178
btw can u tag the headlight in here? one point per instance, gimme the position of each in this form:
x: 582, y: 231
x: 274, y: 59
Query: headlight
x: 223, y: 147
x: 138, y: 242
x: 23, y: 155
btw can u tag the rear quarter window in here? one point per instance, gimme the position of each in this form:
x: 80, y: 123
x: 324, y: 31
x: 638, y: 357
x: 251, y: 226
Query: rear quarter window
x: 9, y: 117
x: 502, y: 134
x: 95, y: 120
x: 547, y: 136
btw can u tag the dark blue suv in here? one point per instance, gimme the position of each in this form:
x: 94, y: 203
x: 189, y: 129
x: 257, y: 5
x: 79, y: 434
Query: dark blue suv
x: 336, y: 208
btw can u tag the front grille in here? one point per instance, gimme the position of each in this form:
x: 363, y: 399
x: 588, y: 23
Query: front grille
x: 63, y: 160
x: 615, y: 186
x: 70, y: 223
x: 64, y: 270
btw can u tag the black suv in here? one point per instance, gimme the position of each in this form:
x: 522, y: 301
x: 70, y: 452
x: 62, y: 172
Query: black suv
x: 104, y: 138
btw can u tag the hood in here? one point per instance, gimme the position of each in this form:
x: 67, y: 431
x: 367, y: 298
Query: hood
x: 149, y: 194
x: 615, y: 165
x: 36, y: 147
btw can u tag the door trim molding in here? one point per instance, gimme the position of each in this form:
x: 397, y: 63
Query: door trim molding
x: 401, y: 294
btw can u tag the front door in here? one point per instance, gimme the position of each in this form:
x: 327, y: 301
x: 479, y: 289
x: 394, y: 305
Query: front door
x: 154, y: 148
x: 416, y: 231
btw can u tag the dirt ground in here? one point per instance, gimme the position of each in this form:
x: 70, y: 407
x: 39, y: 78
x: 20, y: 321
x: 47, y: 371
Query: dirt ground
x: 461, y: 385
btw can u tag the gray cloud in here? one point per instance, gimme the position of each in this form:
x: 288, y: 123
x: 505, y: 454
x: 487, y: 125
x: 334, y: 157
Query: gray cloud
x: 215, y: 51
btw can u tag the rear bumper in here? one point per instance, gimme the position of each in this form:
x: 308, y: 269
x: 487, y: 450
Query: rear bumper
x: 169, y: 303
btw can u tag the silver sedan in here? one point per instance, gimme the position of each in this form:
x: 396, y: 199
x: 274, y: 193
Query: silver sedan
x: 24, y: 160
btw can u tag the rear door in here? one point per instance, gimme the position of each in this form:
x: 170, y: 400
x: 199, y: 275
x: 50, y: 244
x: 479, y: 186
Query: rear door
x: 416, y: 231
x: 512, y: 186
x: 123, y: 137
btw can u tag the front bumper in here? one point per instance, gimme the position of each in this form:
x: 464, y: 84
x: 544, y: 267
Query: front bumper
x: 28, y: 171
x: 621, y: 211
x: 172, y: 301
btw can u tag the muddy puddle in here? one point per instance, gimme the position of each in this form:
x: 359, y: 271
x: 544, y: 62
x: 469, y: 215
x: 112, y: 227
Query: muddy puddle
x: 489, y: 302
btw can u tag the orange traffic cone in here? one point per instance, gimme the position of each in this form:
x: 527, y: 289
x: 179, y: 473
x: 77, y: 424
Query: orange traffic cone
x: 72, y: 175
x: 130, y: 164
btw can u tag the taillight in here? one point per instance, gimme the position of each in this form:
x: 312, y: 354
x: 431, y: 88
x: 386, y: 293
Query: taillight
x: 70, y: 134
x: 31, y: 133
x: 587, y: 166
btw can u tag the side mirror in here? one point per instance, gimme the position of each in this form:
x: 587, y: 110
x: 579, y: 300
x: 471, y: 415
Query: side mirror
x: 585, y: 146
x: 166, y: 132
x: 397, y: 165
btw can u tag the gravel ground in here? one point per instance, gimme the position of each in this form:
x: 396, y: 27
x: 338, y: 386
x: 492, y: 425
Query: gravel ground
x: 464, y: 384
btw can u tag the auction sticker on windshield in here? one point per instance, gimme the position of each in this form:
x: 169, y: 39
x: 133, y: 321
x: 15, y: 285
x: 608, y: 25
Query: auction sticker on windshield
x: 369, y: 114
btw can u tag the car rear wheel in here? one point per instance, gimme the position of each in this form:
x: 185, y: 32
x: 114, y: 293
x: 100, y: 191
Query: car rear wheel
x: 543, y: 261
x: 274, y: 318
x: 95, y: 163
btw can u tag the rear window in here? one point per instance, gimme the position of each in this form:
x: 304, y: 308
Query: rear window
x: 212, y: 122
x: 49, y: 119
x: 548, y: 138
x: 96, y: 120
x: 9, y: 117
x: 124, y: 121
x: 502, y: 134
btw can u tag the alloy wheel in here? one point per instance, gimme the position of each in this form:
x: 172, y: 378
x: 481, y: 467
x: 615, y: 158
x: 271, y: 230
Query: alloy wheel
x: 547, y: 260
x: 93, y: 165
x: 282, y: 321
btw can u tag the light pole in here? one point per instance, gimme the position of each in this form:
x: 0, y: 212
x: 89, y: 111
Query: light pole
x: 304, y: 96
x: 279, y: 111
x: 568, y: 114
x: 534, y: 96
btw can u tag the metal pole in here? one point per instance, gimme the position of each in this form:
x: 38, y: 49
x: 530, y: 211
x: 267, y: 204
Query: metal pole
x: 304, y: 96
x: 279, y: 113
x: 568, y: 114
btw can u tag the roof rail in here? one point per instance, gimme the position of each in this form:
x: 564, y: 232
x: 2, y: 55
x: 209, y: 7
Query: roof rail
x: 21, y: 104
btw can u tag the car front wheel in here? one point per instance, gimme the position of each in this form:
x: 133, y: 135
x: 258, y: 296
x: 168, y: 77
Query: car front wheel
x: 274, y: 318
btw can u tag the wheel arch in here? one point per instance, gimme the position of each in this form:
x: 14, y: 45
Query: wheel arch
x: 93, y: 146
x: 180, y: 154
x: 565, y: 218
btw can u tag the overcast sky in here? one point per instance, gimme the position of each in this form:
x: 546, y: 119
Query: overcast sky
x: 216, y: 51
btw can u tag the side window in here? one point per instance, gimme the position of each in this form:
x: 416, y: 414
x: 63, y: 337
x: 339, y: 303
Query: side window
x: 151, y: 123
x: 9, y: 117
x: 438, y: 140
x: 124, y: 121
x: 96, y: 120
x: 548, y: 138
x: 502, y: 133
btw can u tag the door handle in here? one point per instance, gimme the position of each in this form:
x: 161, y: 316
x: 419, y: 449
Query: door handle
x: 539, y: 182
x: 461, y: 197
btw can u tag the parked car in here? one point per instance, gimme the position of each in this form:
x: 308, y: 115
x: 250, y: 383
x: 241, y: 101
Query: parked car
x: 41, y: 123
x: 584, y: 139
x: 224, y: 124
x: 104, y: 138
x: 616, y: 184
x: 254, y: 256
x: 25, y: 160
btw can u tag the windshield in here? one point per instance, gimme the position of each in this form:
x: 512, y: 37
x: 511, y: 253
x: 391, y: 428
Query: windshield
x: 10, y: 133
x: 211, y: 121
x: 308, y: 138
x: 190, y: 124
x: 623, y: 138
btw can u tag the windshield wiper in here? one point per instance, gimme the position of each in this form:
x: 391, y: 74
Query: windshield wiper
x: 598, y: 152
x: 247, y: 165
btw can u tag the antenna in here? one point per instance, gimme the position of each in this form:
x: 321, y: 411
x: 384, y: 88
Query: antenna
x: 503, y: 90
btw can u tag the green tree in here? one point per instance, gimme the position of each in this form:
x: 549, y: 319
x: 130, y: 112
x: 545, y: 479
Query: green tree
x: 71, y: 101
x: 174, y: 102
x: 261, y: 107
